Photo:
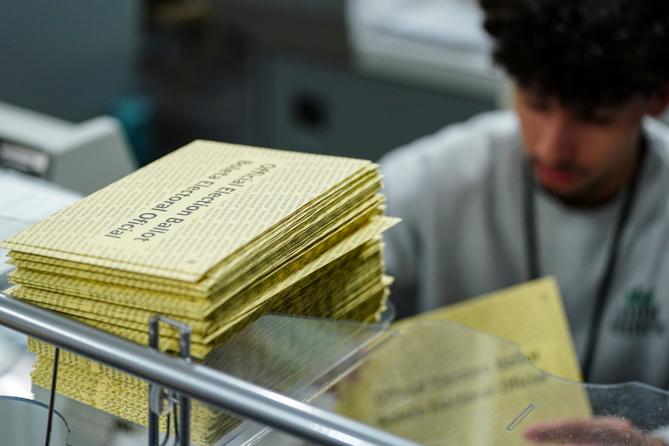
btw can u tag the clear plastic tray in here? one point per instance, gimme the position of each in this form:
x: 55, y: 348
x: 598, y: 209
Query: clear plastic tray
x: 436, y: 383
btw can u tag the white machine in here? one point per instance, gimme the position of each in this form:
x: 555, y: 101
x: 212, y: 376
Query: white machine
x: 80, y: 157
x: 433, y: 42
x: 47, y: 164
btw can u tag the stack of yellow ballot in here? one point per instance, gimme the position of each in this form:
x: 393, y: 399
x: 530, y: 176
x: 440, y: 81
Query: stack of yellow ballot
x: 213, y: 235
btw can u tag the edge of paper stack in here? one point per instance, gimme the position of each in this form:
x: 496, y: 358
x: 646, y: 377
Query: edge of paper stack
x: 214, y: 235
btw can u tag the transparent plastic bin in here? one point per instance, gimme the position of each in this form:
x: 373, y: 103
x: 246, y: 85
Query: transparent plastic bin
x: 435, y: 383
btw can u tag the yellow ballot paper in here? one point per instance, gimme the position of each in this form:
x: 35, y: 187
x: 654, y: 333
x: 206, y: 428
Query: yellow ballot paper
x: 214, y: 235
x: 531, y: 315
x: 439, y: 382
x: 182, y: 215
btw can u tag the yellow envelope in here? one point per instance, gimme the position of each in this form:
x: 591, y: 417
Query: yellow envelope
x: 437, y: 382
x: 531, y: 315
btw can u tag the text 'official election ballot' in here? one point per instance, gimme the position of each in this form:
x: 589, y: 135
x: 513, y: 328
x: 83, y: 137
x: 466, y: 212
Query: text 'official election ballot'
x: 213, y: 235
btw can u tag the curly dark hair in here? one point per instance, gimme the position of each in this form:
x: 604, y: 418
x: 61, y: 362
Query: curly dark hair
x: 586, y: 53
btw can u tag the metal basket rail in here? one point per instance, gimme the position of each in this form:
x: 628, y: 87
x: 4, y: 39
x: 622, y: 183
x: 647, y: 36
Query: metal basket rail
x: 193, y: 380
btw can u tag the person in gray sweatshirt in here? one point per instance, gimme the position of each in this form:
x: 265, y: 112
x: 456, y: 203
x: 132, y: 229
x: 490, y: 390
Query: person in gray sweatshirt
x: 574, y: 183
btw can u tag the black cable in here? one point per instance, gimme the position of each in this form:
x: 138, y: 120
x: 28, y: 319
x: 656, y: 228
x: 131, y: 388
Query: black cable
x: 52, y: 396
x: 176, y: 424
x: 167, y: 432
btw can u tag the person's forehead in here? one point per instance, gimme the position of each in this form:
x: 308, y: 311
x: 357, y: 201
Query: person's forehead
x: 625, y: 104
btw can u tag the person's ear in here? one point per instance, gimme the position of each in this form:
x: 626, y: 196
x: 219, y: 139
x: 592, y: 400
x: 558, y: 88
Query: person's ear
x: 660, y: 101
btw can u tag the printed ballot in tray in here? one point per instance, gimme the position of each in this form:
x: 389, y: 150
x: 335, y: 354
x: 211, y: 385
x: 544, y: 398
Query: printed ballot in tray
x: 509, y: 367
x: 441, y: 383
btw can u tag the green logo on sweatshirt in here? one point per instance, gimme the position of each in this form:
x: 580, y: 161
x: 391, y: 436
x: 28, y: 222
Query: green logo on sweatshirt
x: 639, y: 315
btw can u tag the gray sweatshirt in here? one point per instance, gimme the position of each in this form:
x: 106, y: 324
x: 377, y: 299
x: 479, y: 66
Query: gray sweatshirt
x: 459, y: 193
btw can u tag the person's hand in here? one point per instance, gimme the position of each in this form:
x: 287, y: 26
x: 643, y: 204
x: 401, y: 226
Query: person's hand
x: 609, y: 431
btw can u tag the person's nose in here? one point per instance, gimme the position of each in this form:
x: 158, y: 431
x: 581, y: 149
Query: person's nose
x: 556, y: 139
